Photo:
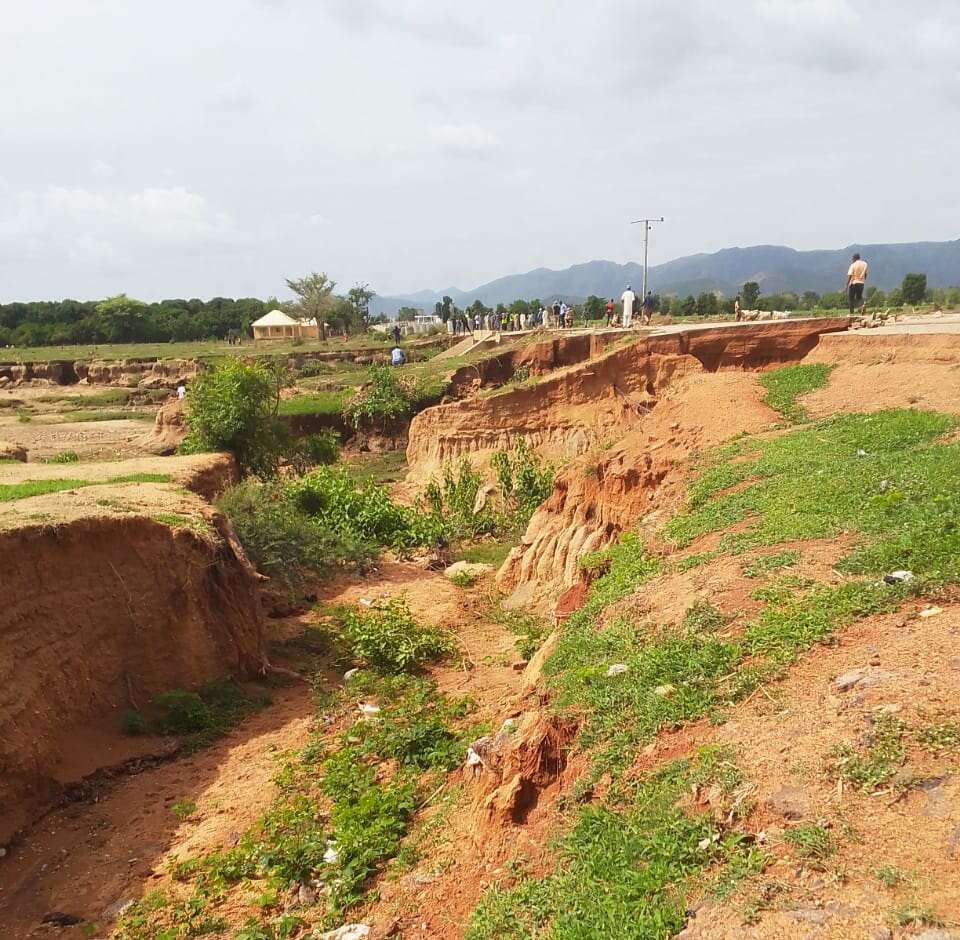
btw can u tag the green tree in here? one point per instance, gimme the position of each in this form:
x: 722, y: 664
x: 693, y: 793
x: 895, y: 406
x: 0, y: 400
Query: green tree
x: 359, y: 297
x: 314, y: 297
x: 749, y: 294
x: 121, y: 317
x: 914, y: 288
x: 689, y: 306
x: 707, y: 304
x: 593, y: 308
x: 233, y: 407
x: 407, y: 314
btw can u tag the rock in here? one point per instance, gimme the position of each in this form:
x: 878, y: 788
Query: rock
x: 789, y: 802
x: 118, y: 908
x: 617, y: 669
x: 935, y: 935
x: 306, y: 896
x: 809, y: 915
x: 347, y: 932
x: 931, y: 611
x: 470, y: 569
x: 848, y: 680
x: 881, y: 933
x: 10, y: 451
x: 664, y: 691
x: 350, y: 673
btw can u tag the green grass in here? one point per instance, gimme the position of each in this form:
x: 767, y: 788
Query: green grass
x: 869, y: 768
x: 338, y: 817
x: 14, y: 491
x: 186, y: 350
x: 785, y: 385
x: 381, y: 469
x: 761, y: 565
x: 623, y: 872
x: 486, y: 551
x: 884, y: 475
x: 811, y: 841
x: 529, y: 629
x: 65, y: 456
x: 328, y: 403
x: 183, y: 809
x: 197, y: 718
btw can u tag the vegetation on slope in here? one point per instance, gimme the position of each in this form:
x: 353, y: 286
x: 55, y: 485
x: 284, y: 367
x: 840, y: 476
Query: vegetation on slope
x: 785, y: 385
x: 889, y: 479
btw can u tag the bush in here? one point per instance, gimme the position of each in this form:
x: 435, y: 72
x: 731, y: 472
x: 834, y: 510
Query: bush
x: 388, y: 639
x: 524, y: 482
x: 233, y: 407
x: 282, y: 540
x: 451, y: 501
x: 362, y: 510
x: 320, y: 449
x: 382, y: 402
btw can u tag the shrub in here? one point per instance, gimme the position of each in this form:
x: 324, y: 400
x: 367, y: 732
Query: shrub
x: 359, y: 509
x: 524, y: 482
x: 282, y: 540
x: 382, y: 402
x: 65, y: 456
x: 451, y: 501
x: 320, y: 449
x: 388, y: 639
x: 233, y: 407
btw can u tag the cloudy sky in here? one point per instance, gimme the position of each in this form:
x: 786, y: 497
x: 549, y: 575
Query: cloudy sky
x: 205, y: 147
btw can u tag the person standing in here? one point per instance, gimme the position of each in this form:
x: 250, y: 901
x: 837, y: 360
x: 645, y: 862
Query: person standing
x: 737, y: 312
x: 563, y: 314
x: 856, y: 281
x: 556, y: 313
x: 609, y: 309
x: 629, y: 298
x: 396, y: 334
x: 648, y: 308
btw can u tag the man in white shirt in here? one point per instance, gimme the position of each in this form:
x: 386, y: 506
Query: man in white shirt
x: 629, y: 298
x: 856, y: 281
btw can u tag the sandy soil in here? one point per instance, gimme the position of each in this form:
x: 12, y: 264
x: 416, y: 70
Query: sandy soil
x: 101, y: 440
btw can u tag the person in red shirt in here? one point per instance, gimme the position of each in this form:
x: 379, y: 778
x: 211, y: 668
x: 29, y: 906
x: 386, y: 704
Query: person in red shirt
x: 610, y: 309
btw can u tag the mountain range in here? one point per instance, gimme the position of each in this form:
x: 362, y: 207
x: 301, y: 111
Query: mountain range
x: 774, y: 267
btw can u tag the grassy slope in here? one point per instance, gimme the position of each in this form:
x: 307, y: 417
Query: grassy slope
x: 14, y: 491
x: 628, y: 862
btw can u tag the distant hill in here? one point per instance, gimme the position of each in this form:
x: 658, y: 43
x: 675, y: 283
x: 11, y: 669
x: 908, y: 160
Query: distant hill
x: 773, y: 267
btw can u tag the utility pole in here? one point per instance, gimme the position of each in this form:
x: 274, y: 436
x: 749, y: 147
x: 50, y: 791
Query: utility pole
x: 646, y: 245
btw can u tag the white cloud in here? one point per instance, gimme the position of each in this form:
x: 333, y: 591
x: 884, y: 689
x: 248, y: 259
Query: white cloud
x: 81, y: 226
x: 465, y: 140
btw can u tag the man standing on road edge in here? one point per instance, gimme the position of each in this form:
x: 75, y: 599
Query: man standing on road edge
x: 856, y: 280
x: 629, y: 298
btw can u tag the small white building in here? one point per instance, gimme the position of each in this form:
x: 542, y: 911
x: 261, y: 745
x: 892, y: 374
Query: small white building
x: 277, y: 325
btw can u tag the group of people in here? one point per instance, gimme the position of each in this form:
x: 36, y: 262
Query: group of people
x: 629, y: 302
x: 557, y: 316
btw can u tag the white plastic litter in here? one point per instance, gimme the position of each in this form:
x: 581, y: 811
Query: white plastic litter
x: 861, y: 452
x: 347, y: 932
x: 350, y: 673
x: 473, y: 758
x: 331, y: 855
x: 900, y: 576
x: 366, y: 602
x: 931, y: 611
x: 368, y: 710
x: 617, y: 669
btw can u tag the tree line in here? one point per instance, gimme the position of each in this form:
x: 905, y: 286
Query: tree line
x: 123, y: 319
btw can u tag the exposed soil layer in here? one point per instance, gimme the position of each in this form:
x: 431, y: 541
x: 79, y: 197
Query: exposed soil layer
x: 538, y: 358
x: 642, y: 475
x: 101, y: 610
x: 566, y: 414
x: 873, y: 372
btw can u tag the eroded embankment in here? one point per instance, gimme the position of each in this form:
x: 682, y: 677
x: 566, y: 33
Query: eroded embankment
x: 99, y: 613
x: 567, y: 414
x: 538, y: 358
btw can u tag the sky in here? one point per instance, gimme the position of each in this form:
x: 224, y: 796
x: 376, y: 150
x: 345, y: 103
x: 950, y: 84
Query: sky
x: 198, y: 148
